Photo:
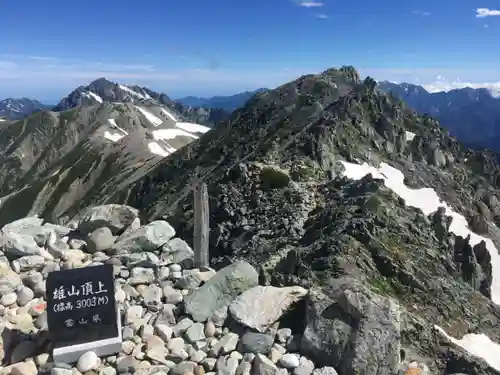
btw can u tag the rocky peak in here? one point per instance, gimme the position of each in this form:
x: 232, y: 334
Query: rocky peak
x: 104, y: 91
x: 347, y: 73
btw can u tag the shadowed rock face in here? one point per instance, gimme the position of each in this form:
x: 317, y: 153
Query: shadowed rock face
x: 278, y: 200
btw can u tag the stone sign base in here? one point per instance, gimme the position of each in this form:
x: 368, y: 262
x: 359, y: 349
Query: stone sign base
x: 103, y: 348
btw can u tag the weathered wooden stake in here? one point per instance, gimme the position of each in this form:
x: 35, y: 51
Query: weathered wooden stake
x: 201, y: 225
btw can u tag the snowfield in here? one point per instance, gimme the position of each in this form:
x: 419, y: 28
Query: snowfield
x: 155, y: 148
x: 168, y: 114
x: 114, y: 136
x: 91, y: 95
x: 194, y: 128
x: 163, y: 130
x: 144, y: 96
x: 96, y: 97
x: 171, y: 134
x: 150, y: 117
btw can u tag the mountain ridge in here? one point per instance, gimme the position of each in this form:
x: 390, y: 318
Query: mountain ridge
x: 17, y: 108
x: 461, y: 111
x: 79, y: 150
x: 102, y: 90
x: 226, y: 102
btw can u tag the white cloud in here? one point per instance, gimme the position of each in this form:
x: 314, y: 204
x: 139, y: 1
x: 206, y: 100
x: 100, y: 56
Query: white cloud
x: 7, y: 64
x: 442, y: 84
x: 421, y: 13
x: 310, y: 3
x: 322, y: 16
x: 485, y: 12
x: 43, y: 58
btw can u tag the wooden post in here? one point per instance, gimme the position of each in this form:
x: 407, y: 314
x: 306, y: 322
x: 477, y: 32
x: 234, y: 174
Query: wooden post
x: 201, y: 225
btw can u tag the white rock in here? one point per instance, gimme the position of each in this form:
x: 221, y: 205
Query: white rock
x: 8, y: 299
x: 147, y: 238
x: 289, y: 361
x: 24, y: 368
x: 327, y: 370
x: 87, y: 362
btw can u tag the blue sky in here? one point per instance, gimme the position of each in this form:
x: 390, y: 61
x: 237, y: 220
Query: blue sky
x: 218, y: 47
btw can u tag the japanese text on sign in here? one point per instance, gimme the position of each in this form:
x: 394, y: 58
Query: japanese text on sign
x: 72, y: 322
x: 89, y: 296
x: 86, y: 289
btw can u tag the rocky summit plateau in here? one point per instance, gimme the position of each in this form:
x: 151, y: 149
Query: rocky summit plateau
x: 348, y: 235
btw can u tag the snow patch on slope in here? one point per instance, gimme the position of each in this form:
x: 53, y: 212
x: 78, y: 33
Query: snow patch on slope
x: 171, y: 134
x: 91, y: 95
x: 150, y: 117
x: 410, y: 136
x: 95, y: 96
x: 190, y: 127
x: 168, y: 114
x: 114, y: 136
x: 155, y: 148
x: 428, y: 201
x: 134, y: 93
x: 478, y: 345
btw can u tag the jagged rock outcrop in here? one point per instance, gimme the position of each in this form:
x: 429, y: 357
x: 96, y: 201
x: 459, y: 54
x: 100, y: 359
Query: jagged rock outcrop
x: 353, y: 329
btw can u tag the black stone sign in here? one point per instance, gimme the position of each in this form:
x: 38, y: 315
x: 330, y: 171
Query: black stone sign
x: 81, y: 305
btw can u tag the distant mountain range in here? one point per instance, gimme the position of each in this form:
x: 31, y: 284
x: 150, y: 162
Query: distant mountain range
x: 227, y: 103
x: 15, y: 109
x: 205, y: 110
x: 471, y: 115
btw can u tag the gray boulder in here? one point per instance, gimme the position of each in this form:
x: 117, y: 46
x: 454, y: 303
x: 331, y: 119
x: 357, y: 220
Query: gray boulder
x: 261, y: 306
x: 352, y: 329
x: 149, y: 237
x: 221, y: 290
x: 100, y: 239
x: 116, y: 217
x: 262, y: 365
x: 254, y: 342
x: 175, y: 251
x: 17, y: 245
x: 28, y: 226
x: 9, y: 281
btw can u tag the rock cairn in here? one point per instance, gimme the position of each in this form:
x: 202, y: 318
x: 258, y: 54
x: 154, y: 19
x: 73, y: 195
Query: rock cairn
x: 176, y: 318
